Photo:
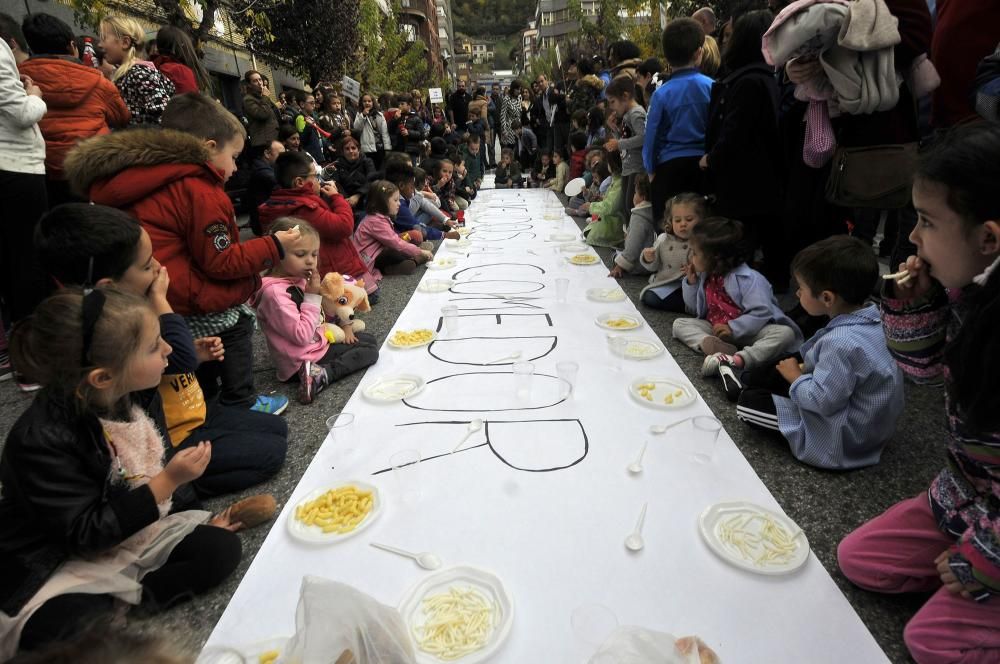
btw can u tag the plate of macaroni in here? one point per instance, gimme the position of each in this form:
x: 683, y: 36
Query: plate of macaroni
x: 754, y: 538
x: 411, y: 338
x: 460, y: 243
x: 442, y: 263
x: 584, y: 259
x: 606, y: 294
x: 461, y: 614
x: 639, y: 349
x: 328, y: 516
x: 435, y: 285
x: 619, y: 322
x: 660, y: 392
x: 394, y: 388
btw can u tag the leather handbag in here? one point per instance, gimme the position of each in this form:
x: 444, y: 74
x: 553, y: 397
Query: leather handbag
x: 875, y: 176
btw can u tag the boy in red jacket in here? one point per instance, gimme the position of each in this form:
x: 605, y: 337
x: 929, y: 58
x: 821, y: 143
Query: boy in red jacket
x: 303, y: 196
x: 172, y: 181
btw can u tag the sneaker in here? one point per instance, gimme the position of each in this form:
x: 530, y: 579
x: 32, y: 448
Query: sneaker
x: 6, y: 371
x: 275, y: 405
x: 710, y: 366
x: 312, y: 380
x: 730, y: 383
x: 24, y: 384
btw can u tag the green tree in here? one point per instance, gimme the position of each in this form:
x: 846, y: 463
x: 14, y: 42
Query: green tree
x: 181, y: 13
x: 386, y: 59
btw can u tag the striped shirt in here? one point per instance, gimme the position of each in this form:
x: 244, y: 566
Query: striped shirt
x: 844, y: 407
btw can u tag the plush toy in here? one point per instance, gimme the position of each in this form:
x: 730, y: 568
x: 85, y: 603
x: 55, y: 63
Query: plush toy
x: 342, y: 297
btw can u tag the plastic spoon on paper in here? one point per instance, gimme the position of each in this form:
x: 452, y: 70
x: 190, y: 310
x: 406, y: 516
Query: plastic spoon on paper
x: 513, y: 356
x: 662, y: 428
x: 636, y: 466
x: 634, y: 542
x: 425, y: 559
x: 474, y: 426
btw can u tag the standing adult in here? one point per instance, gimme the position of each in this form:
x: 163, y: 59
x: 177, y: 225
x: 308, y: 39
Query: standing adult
x: 262, y: 182
x: 374, y: 131
x: 494, y: 119
x: 510, y: 111
x: 458, y: 107
x: 706, y: 17
x: 262, y: 113
x: 81, y: 102
x: 539, y: 113
x: 145, y: 90
x: 22, y: 181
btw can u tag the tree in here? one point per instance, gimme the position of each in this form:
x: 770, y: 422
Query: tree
x: 317, y: 39
x: 387, y: 60
x: 196, y: 17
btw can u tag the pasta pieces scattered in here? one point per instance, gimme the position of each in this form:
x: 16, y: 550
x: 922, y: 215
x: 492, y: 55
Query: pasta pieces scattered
x: 457, y: 622
x: 337, y: 511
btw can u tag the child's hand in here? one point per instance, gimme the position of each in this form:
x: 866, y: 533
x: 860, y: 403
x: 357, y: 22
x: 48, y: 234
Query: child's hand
x: 426, y: 255
x: 158, y: 292
x: 349, y: 337
x: 919, y: 281
x: 329, y: 189
x: 313, y: 282
x: 722, y: 330
x: 950, y: 581
x: 453, y: 235
x: 690, y: 273
x: 209, y: 349
x: 288, y: 237
x: 585, y: 207
x: 648, y: 254
x: 224, y: 520
x: 354, y: 200
x: 616, y: 272
x: 189, y: 464
x: 611, y: 144
x: 703, y: 162
x: 789, y: 369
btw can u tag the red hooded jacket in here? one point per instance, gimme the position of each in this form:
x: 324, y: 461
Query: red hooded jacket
x: 179, y: 74
x: 162, y: 178
x: 81, y: 103
x: 333, y: 220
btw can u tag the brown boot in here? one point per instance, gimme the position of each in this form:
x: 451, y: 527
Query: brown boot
x: 253, y: 511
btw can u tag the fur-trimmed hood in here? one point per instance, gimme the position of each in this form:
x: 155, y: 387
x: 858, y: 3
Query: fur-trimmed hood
x: 119, y: 168
x: 591, y: 81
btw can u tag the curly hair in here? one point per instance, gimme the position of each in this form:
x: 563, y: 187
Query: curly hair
x: 721, y: 242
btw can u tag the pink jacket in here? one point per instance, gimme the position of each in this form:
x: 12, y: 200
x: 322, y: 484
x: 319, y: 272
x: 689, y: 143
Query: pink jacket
x: 376, y: 234
x: 294, y: 332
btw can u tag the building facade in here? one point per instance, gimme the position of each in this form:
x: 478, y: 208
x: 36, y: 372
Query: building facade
x: 446, y: 37
x: 418, y: 19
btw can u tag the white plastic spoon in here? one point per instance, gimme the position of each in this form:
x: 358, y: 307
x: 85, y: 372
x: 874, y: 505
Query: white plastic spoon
x: 513, y: 356
x: 634, y: 542
x: 636, y: 466
x: 662, y: 428
x: 425, y: 559
x: 474, y: 426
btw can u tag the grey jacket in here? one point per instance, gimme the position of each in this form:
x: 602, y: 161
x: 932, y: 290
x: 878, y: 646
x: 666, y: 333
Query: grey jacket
x: 368, y: 142
x: 641, y: 233
x: 670, y: 254
x: 630, y: 145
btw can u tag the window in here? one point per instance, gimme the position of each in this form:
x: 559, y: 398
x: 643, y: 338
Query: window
x: 409, y: 31
x: 404, y: 3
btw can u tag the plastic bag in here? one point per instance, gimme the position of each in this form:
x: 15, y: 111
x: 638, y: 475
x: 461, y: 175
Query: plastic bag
x: 334, y: 619
x: 637, y: 645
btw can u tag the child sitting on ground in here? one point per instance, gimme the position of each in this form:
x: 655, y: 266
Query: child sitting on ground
x: 381, y: 249
x: 442, y: 183
x: 606, y: 227
x: 402, y: 174
x: 426, y: 206
x: 545, y: 171
x: 289, y: 308
x: 669, y: 255
x: 464, y: 192
x: 599, y: 172
x: 86, y: 495
x: 838, y: 408
x: 82, y: 245
x: 508, y: 173
x: 639, y: 236
x: 558, y: 183
x: 739, y: 323
x: 578, y: 154
x: 172, y: 181
x: 303, y: 196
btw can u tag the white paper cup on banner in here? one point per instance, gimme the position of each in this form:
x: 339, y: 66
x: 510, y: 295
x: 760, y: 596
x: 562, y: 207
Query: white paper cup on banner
x: 524, y: 374
x: 562, y: 289
x: 704, y: 437
x: 406, y: 469
x: 450, y: 315
x: 341, y: 427
x: 568, y: 371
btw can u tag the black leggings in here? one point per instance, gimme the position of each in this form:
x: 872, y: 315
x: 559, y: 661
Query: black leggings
x: 200, y: 561
x: 673, y: 302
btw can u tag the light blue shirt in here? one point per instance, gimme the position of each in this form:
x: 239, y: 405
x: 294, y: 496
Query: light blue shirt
x: 844, y: 408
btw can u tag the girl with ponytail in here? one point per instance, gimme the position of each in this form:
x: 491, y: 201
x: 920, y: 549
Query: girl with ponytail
x: 145, y: 90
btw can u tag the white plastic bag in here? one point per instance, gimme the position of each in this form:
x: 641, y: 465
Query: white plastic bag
x: 333, y: 619
x: 637, y: 645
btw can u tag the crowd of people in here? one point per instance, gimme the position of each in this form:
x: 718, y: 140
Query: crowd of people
x: 760, y: 155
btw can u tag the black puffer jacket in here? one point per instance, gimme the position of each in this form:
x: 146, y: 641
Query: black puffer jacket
x: 353, y: 177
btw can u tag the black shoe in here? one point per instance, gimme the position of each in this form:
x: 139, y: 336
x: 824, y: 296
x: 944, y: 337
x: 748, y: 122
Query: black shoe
x: 730, y: 383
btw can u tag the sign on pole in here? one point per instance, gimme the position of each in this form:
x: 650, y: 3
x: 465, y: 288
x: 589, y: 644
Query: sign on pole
x: 436, y: 96
x: 351, y: 88
x: 558, y: 58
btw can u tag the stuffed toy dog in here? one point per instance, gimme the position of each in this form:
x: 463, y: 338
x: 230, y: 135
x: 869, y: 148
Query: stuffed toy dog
x: 342, y: 297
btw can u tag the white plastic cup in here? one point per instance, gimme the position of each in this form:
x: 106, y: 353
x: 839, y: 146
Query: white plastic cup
x: 524, y: 373
x: 406, y: 469
x: 705, y: 438
x: 562, y: 289
x: 449, y: 313
x: 568, y: 371
x: 341, y: 427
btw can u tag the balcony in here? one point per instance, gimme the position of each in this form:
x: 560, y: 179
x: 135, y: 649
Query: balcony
x: 414, y: 8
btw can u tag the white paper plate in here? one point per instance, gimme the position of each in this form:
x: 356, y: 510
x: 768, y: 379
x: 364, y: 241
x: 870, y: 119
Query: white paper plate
x: 463, y: 231
x: 461, y: 243
x: 390, y: 342
x: 314, y: 534
x: 486, y: 583
x: 662, y: 387
x: 640, y: 349
x: 574, y: 248
x: 394, y: 388
x: 634, y: 322
x: 606, y: 294
x: 435, y: 285
x: 443, y: 263
x: 574, y: 187
x: 563, y: 237
x: 584, y: 260
x: 712, y: 519
x: 253, y: 652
